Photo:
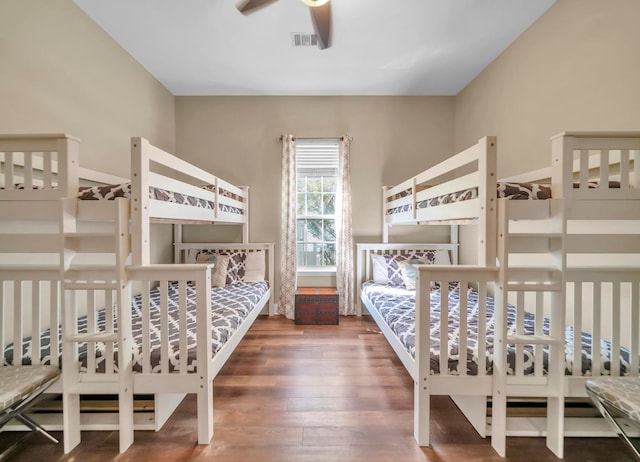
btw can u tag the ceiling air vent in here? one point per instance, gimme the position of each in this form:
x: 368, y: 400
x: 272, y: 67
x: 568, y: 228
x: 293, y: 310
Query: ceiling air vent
x: 301, y: 39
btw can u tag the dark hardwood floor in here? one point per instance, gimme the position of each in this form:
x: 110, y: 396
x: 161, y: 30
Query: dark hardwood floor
x: 314, y: 393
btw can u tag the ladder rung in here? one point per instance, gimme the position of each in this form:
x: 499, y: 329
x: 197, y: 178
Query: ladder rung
x: 525, y: 339
x: 92, y: 337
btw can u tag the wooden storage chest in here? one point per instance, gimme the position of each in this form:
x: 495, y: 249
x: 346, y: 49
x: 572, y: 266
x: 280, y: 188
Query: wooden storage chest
x: 316, y: 305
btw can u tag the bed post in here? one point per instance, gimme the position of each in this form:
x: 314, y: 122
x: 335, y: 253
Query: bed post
x: 245, y: 223
x: 486, y: 190
x: 205, y: 392
x: 634, y: 177
x: 177, y: 239
x: 422, y: 392
x: 561, y: 165
x: 140, y: 201
x: 125, y: 335
x: 385, y: 225
x: 360, y: 261
x: 68, y: 160
x: 499, y: 379
x: 272, y: 305
x: 454, y: 238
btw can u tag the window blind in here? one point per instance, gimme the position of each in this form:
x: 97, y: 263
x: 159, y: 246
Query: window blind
x: 317, y: 157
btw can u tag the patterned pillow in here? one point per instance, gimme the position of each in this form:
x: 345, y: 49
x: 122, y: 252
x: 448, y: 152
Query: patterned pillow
x: 236, y: 269
x: 394, y: 273
x: 220, y: 268
x: 409, y: 272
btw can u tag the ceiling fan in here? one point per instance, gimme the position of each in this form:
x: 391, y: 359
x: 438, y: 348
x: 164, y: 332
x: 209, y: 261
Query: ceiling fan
x: 320, y: 15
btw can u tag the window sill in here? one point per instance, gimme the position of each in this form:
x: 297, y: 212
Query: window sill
x: 315, y: 272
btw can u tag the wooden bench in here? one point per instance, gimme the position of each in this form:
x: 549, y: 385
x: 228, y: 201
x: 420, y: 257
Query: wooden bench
x: 19, y: 387
x: 618, y: 400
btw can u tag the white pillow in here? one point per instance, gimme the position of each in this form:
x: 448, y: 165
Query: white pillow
x: 441, y: 257
x: 191, y: 255
x: 380, y: 272
x: 254, y: 266
x: 219, y: 271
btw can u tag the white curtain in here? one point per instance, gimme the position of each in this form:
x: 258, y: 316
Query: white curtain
x: 344, y: 238
x: 288, y: 263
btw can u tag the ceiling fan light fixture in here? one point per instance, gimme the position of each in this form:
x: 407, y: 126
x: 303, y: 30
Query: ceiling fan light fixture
x: 314, y: 3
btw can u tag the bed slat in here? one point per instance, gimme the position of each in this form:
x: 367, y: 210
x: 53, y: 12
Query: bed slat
x: 444, y: 337
x: 54, y: 317
x: 28, y: 171
x: 108, y: 314
x: 91, y: 329
x: 164, y: 327
x: 597, y: 320
x: 183, y: 326
x: 17, y: 322
x: 519, y: 367
x: 8, y: 170
x: 464, y: 313
x: 616, y: 327
x: 146, y: 323
x: 539, y: 323
x: 35, y: 321
x: 577, y: 329
x: 482, y: 328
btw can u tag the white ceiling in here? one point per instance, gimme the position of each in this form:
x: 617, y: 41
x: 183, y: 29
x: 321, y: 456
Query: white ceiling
x: 378, y: 47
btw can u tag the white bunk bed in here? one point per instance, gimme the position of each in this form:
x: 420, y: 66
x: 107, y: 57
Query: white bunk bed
x: 552, y: 231
x: 96, y: 249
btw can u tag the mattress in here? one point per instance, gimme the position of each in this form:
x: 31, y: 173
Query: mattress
x: 396, y: 306
x: 230, y: 306
x: 511, y: 191
x: 112, y: 191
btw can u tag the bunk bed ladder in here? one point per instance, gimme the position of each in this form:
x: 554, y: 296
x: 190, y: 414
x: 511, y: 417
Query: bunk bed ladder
x: 539, y: 291
x: 85, y: 288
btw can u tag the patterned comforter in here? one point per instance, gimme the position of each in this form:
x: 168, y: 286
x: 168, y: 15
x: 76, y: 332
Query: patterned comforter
x: 396, y: 305
x: 512, y: 191
x: 230, y: 306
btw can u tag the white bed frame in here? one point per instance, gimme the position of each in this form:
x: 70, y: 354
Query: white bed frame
x: 561, y: 233
x: 94, y: 251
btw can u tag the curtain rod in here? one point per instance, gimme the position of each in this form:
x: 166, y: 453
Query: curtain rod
x: 341, y: 138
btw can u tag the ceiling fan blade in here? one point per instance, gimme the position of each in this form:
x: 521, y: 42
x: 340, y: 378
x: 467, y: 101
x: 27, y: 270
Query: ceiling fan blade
x: 248, y: 6
x: 321, y: 16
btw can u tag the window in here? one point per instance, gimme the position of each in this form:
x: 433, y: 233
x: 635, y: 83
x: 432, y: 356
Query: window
x: 317, y: 175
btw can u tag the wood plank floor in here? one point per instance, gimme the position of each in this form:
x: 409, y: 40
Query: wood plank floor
x: 314, y: 393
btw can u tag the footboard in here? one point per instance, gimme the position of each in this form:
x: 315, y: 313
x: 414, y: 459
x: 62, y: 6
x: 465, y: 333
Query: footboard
x: 452, y: 355
x: 458, y: 190
x: 188, y: 364
x: 603, y: 319
x: 595, y: 165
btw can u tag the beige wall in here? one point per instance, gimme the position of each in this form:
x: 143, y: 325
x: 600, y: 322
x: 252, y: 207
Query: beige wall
x: 576, y: 68
x: 235, y: 137
x: 60, y: 72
